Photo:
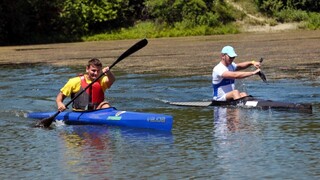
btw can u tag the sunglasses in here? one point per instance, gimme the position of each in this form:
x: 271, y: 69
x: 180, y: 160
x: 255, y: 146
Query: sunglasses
x: 230, y: 57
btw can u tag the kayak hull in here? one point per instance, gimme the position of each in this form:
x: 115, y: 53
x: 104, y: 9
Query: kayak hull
x: 111, y: 117
x: 249, y: 102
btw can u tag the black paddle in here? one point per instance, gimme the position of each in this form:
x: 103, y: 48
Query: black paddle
x: 261, y: 74
x: 139, y: 45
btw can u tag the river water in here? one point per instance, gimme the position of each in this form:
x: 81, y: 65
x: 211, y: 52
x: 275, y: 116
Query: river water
x: 205, y: 143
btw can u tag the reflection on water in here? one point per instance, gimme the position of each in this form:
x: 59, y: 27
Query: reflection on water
x: 226, y: 119
x: 205, y: 143
x: 250, y: 139
x: 92, y: 150
x: 84, y: 144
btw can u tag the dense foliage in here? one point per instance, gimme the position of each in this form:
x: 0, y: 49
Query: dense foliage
x: 22, y: 19
x: 274, y: 6
x: 42, y: 21
x: 31, y: 21
x: 292, y: 10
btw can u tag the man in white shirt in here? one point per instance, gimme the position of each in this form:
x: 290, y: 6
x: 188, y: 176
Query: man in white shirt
x: 225, y: 73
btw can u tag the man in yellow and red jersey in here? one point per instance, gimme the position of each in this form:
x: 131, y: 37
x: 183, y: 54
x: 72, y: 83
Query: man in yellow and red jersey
x: 93, y: 97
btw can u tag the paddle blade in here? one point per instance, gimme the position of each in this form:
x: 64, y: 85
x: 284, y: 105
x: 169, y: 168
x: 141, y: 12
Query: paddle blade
x: 262, y: 76
x: 136, y: 47
x: 46, y: 122
x: 261, y: 59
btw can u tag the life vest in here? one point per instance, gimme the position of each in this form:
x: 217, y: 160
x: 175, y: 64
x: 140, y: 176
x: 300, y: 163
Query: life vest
x: 89, y: 99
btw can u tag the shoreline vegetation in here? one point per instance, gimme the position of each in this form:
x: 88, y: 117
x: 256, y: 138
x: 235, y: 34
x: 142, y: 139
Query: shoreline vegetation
x: 288, y: 40
x: 76, y: 21
x: 247, y: 19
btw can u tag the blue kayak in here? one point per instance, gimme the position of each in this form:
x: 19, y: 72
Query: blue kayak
x: 112, y: 117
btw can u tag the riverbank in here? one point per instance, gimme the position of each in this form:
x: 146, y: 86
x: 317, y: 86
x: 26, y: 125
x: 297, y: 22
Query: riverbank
x: 287, y: 54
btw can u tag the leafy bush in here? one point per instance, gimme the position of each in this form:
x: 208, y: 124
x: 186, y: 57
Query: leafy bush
x: 313, y: 21
x: 224, y: 12
x: 78, y: 15
x: 291, y: 15
x: 270, y: 7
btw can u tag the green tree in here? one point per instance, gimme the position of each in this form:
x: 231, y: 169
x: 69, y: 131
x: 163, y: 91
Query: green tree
x: 28, y: 21
x: 191, y: 12
x: 307, y: 5
x: 13, y: 23
x: 273, y: 6
x: 78, y: 15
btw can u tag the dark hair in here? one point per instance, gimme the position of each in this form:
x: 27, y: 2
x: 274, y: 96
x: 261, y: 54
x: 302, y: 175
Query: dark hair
x: 94, y: 62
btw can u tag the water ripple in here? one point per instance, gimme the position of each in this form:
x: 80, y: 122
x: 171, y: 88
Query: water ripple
x: 205, y: 143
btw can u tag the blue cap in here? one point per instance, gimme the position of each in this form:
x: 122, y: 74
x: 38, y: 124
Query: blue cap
x: 229, y: 51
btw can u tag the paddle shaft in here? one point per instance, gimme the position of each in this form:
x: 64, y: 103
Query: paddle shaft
x: 139, y: 45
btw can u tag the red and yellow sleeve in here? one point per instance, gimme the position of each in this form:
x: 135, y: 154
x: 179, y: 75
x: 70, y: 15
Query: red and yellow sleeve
x: 104, y: 83
x: 72, y: 86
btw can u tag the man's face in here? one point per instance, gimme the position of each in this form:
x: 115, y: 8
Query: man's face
x: 228, y: 59
x: 93, y: 72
